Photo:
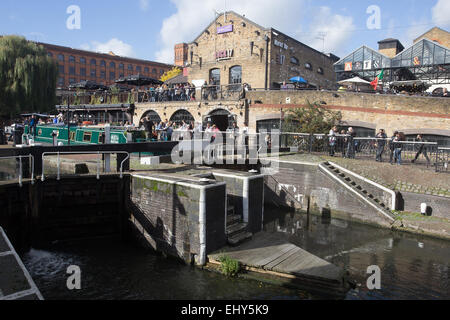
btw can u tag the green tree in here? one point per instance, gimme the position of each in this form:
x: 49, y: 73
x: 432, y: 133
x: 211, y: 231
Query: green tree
x: 313, y: 118
x: 27, y: 77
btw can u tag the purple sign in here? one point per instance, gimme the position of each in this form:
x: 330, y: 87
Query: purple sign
x: 225, y: 29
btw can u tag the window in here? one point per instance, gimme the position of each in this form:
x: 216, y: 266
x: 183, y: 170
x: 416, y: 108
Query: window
x: 295, y: 61
x: 236, y: 75
x: 93, y: 73
x: 83, y: 60
x: 154, y: 71
x: 87, y: 136
x: 320, y: 71
x: 102, y: 75
x: 72, y: 59
x: 60, y: 57
x: 112, y: 75
x: 282, y: 59
x: 83, y: 72
x: 112, y: 65
x: 146, y: 69
x: 121, y: 66
x: 72, y: 70
x: 61, y: 81
x: 138, y: 69
x: 214, y: 77
x: 93, y: 62
x: 61, y: 69
x: 130, y: 67
x: 102, y: 63
x: 72, y: 135
x: 308, y: 66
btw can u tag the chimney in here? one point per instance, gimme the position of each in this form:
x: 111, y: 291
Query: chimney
x: 390, y: 47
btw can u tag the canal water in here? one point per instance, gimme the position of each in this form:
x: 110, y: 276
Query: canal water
x: 412, y: 267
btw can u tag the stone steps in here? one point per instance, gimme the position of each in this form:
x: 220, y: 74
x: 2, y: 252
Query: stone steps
x: 358, y: 188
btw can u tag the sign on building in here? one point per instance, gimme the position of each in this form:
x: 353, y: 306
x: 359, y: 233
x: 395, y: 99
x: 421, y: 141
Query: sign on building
x: 224, y: 54
x: 225, y: 29
x: 368, y: 65
x: 280, y: 44
x: 348, y: 66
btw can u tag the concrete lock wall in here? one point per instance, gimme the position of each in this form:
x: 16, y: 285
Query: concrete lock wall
x: 304, y: 180
x: 182, y: 218
x: 247, y: 196
x: 72, y: 208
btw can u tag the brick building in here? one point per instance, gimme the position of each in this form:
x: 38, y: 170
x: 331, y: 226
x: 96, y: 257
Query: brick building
x: 233, y: 49
x: 79, y: 65
x: 181, y: 54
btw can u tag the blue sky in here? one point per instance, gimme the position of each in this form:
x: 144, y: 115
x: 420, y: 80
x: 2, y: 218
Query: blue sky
x: 148, y: 29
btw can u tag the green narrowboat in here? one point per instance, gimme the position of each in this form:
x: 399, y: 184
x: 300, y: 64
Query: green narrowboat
x: 81, y: 135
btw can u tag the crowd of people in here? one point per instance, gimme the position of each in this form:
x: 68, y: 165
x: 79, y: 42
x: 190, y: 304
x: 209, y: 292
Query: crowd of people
x: 346, y: 143
x: 163, y: 93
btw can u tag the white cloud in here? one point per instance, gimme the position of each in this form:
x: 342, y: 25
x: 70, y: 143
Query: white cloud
x: 118, y: 47
x: 338, y: 30
x: 441, y: 13
x: 143, y: 4
x: 192, y: 17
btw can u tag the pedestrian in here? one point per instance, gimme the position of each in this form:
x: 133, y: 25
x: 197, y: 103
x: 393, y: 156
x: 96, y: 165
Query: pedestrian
x: 381, y: 144
x: 351, y: 135
x: 398, y: 147
x: 333, y: 140
x: 392, y: 148
x: 422, y: 150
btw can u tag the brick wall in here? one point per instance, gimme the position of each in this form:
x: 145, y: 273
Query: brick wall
x: 166, y: 214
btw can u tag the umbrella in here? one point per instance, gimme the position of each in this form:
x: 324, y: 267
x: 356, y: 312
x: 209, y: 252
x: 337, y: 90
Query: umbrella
x: 87, y: 85
x: 355, y: 80
x: 298, y: 80
x: 138, y: 80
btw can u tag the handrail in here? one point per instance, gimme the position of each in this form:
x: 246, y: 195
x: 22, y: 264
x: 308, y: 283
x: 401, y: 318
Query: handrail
x: 58, y: 177
x: 31, y: 157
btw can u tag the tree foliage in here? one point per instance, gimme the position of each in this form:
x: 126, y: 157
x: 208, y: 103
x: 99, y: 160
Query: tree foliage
x: 313, y: 118
x: 175, y: 71
x: 27, y: 77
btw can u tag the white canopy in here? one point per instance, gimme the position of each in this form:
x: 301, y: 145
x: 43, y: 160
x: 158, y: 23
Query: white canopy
x: 355, y: 80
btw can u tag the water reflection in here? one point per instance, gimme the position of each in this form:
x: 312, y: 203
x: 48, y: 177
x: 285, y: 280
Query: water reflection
x: 413, y: 267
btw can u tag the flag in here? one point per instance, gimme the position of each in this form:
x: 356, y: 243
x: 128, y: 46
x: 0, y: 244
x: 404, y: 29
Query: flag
x: 375, y: 82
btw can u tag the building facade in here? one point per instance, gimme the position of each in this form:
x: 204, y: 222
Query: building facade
x: 234, y: 50
x: 427, y: 60
x: 79, y: 65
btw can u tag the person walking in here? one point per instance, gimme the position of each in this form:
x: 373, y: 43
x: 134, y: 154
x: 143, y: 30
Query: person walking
x: 381, y: 143
x: 392, y: 159
x: 351, y: 135
x: 398, y: 147
x: 422, y: 150
x: 333, y: 140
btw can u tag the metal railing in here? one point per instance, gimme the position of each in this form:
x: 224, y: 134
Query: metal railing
x: 31, y: 158
x: 442, y: 159
x: 98, y: 153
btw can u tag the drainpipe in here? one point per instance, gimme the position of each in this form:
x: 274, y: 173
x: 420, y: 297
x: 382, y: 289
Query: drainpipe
x: 202, y: 228
x: 267, y: 61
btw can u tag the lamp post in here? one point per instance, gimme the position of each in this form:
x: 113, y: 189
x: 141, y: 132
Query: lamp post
x: 68, y: 121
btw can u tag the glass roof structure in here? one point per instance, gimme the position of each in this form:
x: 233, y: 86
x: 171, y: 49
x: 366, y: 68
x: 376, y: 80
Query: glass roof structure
x: 426, y: 60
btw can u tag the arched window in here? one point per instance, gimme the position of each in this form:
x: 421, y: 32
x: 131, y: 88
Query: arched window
x: 71, y: 59
x: 121, y: 67
x: 60, y: 57
x: 182, y: 115
x: 146, y: 70
x: 93, y: 62
x: 102, y: 63
x: 130, y: 67
x: 153, y: 115
x: 154, y: 71
x: 214, y: 77
x: 236, y: 75
x: 112, y: 65
x: 138, y: 69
